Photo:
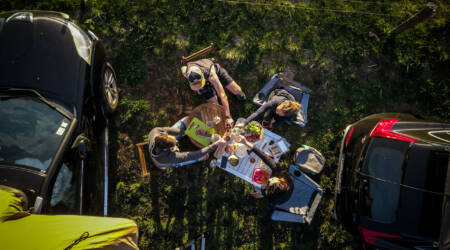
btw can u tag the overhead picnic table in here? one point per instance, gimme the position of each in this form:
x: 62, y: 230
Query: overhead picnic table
x: 271, y: 144
x: 206, y: 113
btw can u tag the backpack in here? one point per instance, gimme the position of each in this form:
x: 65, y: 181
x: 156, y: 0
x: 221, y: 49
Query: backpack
x: 309, y: 159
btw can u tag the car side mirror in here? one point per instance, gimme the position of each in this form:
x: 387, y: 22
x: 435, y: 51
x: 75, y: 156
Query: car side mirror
x: 80, y: 144
x: 82, y: 149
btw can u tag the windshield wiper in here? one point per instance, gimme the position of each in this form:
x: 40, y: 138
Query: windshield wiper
x: 49, y: 103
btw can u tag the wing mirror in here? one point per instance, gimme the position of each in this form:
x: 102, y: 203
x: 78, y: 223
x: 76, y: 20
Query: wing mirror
x: 80, y: 144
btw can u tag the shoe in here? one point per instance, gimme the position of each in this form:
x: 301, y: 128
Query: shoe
x: 241, y: 96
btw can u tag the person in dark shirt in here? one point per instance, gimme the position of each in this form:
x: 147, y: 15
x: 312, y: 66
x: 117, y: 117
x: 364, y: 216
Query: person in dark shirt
x: 280, y: 183
x: 280, y: 106
x: 164, y: 152
x: 207, y: 78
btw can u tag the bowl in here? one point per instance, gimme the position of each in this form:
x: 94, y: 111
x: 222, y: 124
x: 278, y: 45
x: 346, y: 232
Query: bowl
x: 233, y: 160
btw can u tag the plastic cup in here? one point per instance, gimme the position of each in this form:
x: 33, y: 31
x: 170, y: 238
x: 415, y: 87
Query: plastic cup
x: 240, y: 123
x: 215, y: 137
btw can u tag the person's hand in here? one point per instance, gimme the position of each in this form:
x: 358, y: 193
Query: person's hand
x: 268, y: 125
x: 243, y: 140
x: 271, y: 124
x: 257, y: 195
x: 229, y: 122
x: 220, y: 142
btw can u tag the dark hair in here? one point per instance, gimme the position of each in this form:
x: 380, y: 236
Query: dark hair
x: 284, y: 185
x: 163, y: 141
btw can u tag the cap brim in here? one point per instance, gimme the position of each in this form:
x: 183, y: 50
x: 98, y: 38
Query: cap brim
x: 197, y: 86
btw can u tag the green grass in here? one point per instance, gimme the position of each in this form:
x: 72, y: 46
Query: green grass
x: 351, y: 75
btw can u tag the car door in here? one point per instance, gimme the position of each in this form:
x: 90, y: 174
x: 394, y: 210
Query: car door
x: 65, y: 190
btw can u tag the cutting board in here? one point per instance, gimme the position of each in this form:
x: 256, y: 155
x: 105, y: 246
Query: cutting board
x: 199, y: 131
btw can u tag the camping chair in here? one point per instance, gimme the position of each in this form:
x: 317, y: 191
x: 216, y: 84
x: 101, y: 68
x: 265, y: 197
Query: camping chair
x: 303, y: 202
x: 200, y: 53
x: 143, y: 158
x: 300, y: 93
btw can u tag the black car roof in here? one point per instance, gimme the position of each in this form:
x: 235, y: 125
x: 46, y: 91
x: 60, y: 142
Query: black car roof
x: 42, y: 55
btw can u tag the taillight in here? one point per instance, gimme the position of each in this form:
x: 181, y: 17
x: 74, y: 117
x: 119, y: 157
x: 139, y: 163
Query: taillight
x: 348, y: 137
x: 370, y: 236
x: 383, y: 129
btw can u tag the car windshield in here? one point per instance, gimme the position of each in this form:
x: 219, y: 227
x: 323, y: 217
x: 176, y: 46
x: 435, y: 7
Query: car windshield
x: 30, y: 131
x: 383, y: 164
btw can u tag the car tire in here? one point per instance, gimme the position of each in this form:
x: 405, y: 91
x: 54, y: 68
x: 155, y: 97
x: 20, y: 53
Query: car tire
x: 109, y: 90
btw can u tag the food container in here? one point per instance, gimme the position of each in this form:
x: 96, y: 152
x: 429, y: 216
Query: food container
x: 260, y: 176
x: 275, y: 149
x: 213, y: 163
x: 233, y: 160
x: 251, y: 136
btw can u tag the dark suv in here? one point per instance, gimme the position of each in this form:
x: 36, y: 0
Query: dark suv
x: 56, y: 91
x: 393, y: 182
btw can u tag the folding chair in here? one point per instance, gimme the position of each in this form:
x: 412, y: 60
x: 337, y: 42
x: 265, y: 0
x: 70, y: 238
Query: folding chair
x: 303, y: 201
x: 300, y: 93
x: 201, y: 53
x: 142, y: 158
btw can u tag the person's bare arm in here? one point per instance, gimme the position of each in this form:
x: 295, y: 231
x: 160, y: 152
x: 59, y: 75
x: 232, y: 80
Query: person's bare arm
x: 261, y: 154
x: 183, y: 71
x: 257, y: 195
x: 178, y: 157
x: 214, y: 79
x: 168, y: 130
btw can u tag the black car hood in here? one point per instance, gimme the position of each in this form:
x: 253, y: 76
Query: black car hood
x: 41, y: 54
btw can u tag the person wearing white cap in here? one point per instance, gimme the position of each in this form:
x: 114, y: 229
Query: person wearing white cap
x: 207, y: 78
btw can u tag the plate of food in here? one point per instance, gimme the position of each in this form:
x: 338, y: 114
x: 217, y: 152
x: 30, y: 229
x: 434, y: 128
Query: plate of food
x: 253, y: 131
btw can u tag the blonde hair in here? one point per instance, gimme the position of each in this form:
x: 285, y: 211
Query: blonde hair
x: 163, y: 141
x: 289, y: 107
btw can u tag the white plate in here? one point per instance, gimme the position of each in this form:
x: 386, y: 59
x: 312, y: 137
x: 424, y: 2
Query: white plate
x: 241, y: 151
